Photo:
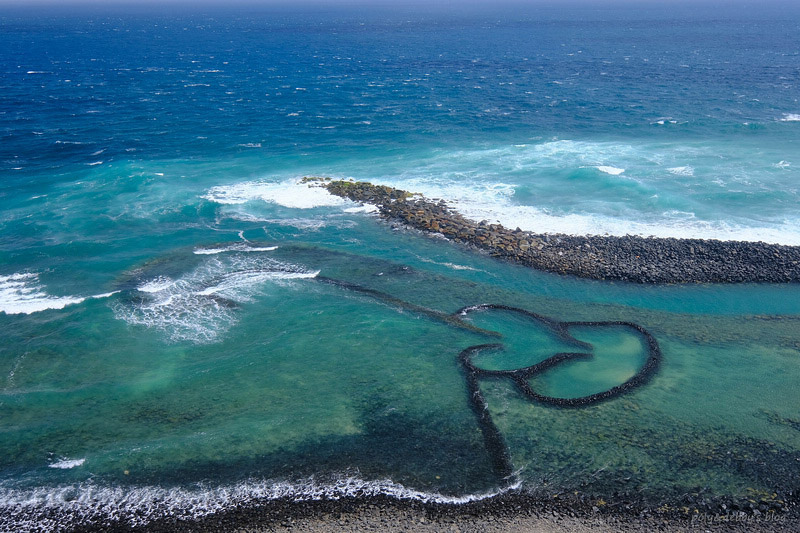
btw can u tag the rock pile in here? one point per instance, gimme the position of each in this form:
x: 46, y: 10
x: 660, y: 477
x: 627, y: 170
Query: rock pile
x: 628, y: 258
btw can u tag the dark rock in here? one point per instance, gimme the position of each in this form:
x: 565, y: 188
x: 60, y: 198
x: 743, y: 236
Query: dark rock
x: 628, y: 258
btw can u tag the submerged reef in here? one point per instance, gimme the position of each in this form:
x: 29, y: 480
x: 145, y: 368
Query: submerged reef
x: 629, y: 258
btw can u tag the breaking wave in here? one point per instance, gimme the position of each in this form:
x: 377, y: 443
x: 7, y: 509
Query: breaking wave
x: 69, y: 506
x: 23, y: 293
x: 202, y: 305
x: 289, y: 193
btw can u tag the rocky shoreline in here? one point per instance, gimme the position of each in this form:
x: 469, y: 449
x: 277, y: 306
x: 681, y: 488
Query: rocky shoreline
x: 510, y: 512
x: 629, y: 258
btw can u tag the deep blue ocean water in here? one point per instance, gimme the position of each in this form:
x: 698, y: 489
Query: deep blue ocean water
x: 168, y: 347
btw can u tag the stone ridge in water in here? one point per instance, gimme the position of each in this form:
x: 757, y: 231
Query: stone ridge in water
x: 629, y: 258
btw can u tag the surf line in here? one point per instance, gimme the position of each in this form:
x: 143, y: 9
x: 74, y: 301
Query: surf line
x: 496, y: 447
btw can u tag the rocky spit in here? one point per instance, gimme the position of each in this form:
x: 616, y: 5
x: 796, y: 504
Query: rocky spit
x: 629, y: 258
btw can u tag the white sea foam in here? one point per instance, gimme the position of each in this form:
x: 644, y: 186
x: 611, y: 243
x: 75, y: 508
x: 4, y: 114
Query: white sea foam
x: 290, y: 193
x: 65, y: 464
x: 233, y: 282
x: 614, y: 171
x: 362, y: 209
x: 24, y: 294
x: 497, y: 185
x: 154, y: 285
x: 664, y: 120
x: 71, y: 506
x: 238, y: 247
x: 679, y: 225
x: 790, y: 117
x: 201, y: 305
x: 104, y: 295
x: 681, y: 171
x: 309, y: 224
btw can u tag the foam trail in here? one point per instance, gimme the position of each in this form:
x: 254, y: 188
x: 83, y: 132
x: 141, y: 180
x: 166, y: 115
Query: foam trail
x: 237, y: 279
x: 70, y: 506
x: 239, y: 247
x: 454, y: 266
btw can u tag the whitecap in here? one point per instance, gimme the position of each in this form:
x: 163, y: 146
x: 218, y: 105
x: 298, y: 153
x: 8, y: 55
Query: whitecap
x: 238, y: 247
x: 614, y: 171
x: 95, y: 163
x: 291, y: 193
x: 66, y: 464
x: 790, y: 117
x: 664, y: 120
x: 155, y: 285
x: 104, y: 295
x: 782, y: 164
x: 681, y: 171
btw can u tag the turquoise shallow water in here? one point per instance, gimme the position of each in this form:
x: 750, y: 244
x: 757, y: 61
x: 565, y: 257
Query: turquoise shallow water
x: 172, y: 344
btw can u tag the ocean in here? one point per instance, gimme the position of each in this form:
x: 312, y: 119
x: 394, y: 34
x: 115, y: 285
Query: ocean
x: 173, y: 345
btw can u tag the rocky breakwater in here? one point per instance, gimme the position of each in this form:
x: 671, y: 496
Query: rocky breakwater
x: 628, y: 258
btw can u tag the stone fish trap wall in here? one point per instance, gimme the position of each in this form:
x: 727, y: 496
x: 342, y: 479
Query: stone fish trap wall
x: 629, y: 258
x: 496, y: 447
